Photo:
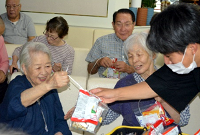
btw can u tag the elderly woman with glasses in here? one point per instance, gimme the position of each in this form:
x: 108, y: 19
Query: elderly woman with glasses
x: 142, y: 60
x: 62, y: 53
x: 31, y: 102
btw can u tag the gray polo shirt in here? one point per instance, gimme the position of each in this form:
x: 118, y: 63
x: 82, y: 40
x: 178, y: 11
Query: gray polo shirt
x: 19, y: 33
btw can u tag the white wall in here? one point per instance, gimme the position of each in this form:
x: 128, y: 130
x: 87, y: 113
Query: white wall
x: 86, y: 21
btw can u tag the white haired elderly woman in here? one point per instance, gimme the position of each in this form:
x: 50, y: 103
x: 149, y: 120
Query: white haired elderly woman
x: 142, y: 60
x: 31, y: 102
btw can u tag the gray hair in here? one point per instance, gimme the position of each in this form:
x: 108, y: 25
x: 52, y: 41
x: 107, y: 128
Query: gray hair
x: 138, y: 38
x: 32, y: 47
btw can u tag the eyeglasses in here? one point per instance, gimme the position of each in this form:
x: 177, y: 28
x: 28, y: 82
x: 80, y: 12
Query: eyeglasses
x: 13, y: 6
x: 126, y: 25
x: 47, y: 35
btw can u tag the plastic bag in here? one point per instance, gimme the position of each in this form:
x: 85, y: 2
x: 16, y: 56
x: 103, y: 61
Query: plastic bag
x: 138, y: 113
x: 155, y: 113
x: 89, y: 112
x: 156, y: 128
x: 150, y: 114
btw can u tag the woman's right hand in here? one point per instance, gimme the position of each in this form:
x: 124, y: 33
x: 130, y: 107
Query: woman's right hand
x: 58, y: 80
x: 106, y: 95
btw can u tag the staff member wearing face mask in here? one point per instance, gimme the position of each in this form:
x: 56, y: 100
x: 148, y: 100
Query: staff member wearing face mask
x: 178, y: 81
x: 179, y: 67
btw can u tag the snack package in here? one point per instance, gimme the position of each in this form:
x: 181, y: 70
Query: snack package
x: 147, y: 115
x: 89, y: 112
x: 155, y: 113
x: 138, y: 113
x: 113, y: 61
x: 112, y: 72
x: 156, y: 128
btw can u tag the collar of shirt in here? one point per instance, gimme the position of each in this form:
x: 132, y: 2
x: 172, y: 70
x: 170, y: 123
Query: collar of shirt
x: 118, y: 39
x: 138, y: 78
x: 20, y: 19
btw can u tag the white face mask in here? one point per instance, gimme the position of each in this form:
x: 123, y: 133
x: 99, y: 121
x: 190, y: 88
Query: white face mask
x: 179, y: 68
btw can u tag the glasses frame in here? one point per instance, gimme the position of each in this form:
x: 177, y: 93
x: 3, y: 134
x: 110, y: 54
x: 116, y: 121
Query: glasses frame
x: 47, y: 35
x: 13, y: 6
x: 120, y: 25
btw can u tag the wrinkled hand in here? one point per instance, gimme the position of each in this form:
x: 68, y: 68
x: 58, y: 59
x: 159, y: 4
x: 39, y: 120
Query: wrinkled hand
x: 69, y: 113
x: 2, y: 76
x: 57, y: 67
x: 58, y: 80
x: 121, y: 66
x: 105, y: 62
x: 13, y: 66
x: 106, y: 95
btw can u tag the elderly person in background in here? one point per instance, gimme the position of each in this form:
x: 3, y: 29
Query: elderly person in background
x: 31, y: 102
x: 62, y: 53
x: 142, y: 60
x: 19, y: 26
x: 3, y: 63
x: 110, y: 46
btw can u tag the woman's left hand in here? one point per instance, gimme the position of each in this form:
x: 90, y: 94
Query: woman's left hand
x: 58, y: 80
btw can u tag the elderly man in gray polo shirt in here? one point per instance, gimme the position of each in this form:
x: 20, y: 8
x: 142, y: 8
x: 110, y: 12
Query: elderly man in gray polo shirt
x: 19, y: 27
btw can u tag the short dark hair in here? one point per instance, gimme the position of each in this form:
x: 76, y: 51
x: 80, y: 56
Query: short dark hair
x: 124, y: 11
x: 59, y: 25
x: 174, y: 28
x: 153, y: 17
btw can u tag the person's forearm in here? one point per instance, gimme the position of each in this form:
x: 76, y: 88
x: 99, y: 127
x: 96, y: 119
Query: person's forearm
x: 31, y: 38
x: 6, y: 42
x: 135, y: 92
x: 14, y: 59
x: 17, y: 52
x: 93, y: 67
x: 172, y: 112
x: 30, y: 96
